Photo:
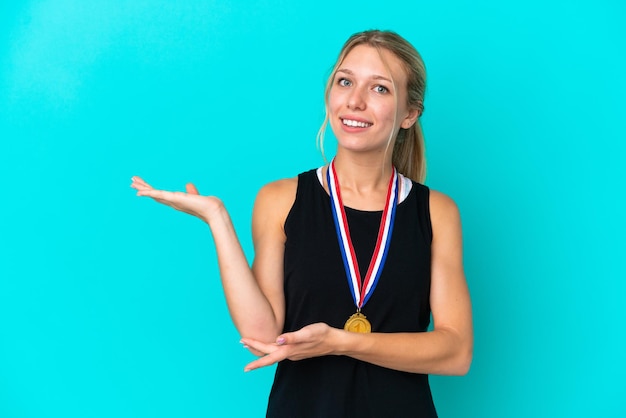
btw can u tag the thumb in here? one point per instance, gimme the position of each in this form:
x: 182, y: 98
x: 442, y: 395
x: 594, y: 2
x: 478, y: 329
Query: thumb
x: 285, y: 339
x: 191, y: 189
x: 290, y: 338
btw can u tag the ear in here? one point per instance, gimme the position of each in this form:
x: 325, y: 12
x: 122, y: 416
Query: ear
x: 410, y: 119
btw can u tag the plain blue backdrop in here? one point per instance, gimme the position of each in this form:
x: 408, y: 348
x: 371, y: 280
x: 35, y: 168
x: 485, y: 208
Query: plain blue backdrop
x: 111, y: 306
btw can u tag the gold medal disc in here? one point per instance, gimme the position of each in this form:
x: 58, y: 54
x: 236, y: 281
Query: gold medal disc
x: 358, y: 323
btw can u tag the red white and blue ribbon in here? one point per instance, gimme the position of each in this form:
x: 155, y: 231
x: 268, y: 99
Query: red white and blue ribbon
x: 362, y: 289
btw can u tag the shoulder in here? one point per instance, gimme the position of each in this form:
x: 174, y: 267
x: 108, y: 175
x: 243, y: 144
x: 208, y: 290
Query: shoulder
x: 444, y: 212
x: 283, y: 192
x: 441, y: 203
x: 273, y: 203
x: 278, y: 191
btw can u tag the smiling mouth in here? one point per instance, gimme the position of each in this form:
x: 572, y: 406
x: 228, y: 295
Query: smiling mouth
x: 356, y: 123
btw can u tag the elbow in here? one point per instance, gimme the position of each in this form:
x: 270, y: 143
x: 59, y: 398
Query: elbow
x: 464, y: 365
x: 458, y: 358
x: 454, y: 354
x: 463, y: 361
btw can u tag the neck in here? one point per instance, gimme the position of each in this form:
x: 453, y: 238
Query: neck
x: 362, y: 174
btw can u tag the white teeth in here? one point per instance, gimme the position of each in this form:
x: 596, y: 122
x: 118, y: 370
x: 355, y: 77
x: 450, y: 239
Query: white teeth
x: 355, y: 123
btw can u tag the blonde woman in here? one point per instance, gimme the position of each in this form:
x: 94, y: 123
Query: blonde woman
x: 351, y: 259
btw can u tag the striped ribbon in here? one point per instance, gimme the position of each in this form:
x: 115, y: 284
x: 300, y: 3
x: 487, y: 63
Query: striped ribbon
x: 362, y: 289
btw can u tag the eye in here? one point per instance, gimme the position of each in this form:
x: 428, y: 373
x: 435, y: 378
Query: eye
x: 344, y: 82
x: 381, y: 89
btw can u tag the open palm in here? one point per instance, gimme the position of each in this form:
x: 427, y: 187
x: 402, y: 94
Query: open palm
x: 190, y: 202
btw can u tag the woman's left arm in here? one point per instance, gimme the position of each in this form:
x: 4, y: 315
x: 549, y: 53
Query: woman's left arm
x: 447, y: 349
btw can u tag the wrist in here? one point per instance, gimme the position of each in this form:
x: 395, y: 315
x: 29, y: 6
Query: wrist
x: 215, y: 213
x: 340, y: 341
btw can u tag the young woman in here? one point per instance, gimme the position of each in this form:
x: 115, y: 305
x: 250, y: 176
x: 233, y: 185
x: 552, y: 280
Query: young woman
x: 351, y: 259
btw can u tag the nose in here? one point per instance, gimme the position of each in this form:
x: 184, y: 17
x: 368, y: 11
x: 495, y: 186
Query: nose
x: 356, y: 100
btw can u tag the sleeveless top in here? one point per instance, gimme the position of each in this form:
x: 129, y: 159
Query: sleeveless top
x: 317, y: 290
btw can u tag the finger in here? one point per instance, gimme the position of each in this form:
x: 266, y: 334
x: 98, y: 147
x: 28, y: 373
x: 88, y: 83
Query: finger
x: 265, y: 361
x: 161, y: 196
x: 304, y: 335
x: 296, y: 337
x: 136, y: 179
x: 139, y: 184
x: 139, y: 180
x: 253, y: 351
x: 259, y: 346
x: 191, y: 189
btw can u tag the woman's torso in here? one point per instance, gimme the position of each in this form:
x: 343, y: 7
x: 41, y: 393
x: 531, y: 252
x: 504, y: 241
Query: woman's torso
x: 317, y: 290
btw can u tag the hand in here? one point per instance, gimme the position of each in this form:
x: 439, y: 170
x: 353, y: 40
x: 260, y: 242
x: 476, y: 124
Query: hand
x: 191, y: 202
x: 310, y: 341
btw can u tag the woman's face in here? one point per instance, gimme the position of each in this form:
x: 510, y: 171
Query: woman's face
x: 362, y: 100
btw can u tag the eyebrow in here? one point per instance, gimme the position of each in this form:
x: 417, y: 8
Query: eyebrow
x: 375, y: 77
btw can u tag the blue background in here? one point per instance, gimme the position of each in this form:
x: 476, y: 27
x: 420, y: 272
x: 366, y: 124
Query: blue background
x: 111, y: 305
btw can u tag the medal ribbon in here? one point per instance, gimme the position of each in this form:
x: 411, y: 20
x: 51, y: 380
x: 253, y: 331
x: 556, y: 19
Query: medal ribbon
x: 362, y: 289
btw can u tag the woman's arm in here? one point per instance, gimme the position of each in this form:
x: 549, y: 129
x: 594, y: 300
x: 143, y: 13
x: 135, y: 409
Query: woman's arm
x: 254, y: 296
x: 445, y: 350
x: 270, y: 211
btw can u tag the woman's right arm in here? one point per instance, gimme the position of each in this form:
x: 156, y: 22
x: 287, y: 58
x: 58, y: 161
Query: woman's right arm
x: 255, y: 297
x: 266, y: 298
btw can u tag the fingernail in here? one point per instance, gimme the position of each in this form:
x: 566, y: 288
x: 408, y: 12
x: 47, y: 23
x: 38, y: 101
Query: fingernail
x: 280, y: 341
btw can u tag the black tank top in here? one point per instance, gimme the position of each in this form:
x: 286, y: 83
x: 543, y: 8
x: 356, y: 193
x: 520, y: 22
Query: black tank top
x: 316, y: 290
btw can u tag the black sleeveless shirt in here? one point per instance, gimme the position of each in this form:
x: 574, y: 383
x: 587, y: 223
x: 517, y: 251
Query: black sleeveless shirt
x: 317, y: 290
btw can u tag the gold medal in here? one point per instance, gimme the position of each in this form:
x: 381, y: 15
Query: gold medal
x: 358, y: 323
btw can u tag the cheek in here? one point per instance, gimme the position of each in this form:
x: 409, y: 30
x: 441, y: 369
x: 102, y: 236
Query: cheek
x: 386, y: 112
x: 333, y: 101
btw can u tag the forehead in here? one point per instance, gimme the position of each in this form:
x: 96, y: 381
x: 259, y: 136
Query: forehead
x: 367, y: 61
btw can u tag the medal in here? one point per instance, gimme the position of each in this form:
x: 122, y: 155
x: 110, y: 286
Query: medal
x: 358, y: 323
x: 362, y: 289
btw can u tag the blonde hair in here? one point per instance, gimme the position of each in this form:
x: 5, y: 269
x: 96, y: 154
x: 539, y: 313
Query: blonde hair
x: 409, y: 149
